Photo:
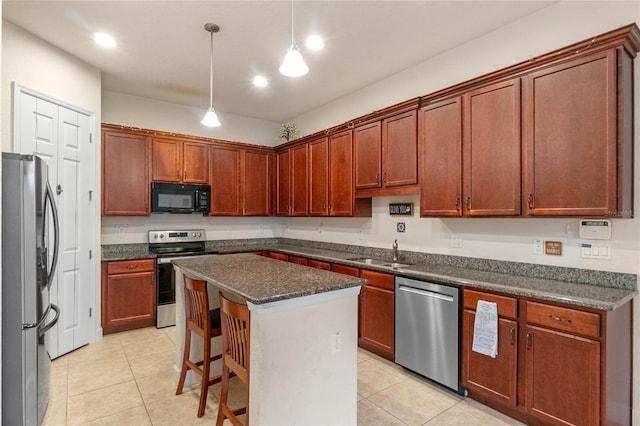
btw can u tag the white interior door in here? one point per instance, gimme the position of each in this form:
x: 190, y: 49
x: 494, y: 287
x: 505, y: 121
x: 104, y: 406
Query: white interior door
x: 61, y: 135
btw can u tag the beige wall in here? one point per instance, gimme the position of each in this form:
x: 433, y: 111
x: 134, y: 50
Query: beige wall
x: 36, y: 64
x: 118, y: 108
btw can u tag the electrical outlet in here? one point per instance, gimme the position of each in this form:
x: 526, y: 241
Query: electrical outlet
x: 336, y: 342
x: 538, y: 247
x: 456, y: 242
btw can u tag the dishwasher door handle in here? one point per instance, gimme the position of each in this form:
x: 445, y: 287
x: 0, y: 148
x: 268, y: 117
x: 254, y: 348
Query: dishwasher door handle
x: 427, y: 293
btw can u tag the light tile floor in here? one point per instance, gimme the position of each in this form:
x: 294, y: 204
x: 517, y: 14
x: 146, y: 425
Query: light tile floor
x: 128, y: 379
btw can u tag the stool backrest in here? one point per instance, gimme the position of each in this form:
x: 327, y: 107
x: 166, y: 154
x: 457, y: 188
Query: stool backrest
x: 236, y: 331
x: 196, y: 302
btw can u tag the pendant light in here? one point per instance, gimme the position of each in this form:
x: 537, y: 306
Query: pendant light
x: 211, y: 119
x: 293, y: 64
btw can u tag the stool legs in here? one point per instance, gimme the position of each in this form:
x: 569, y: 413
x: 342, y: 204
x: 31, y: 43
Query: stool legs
x: 185, y: 358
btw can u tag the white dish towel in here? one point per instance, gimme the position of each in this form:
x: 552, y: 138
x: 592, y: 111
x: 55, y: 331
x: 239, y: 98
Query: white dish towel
x: 485, y: 329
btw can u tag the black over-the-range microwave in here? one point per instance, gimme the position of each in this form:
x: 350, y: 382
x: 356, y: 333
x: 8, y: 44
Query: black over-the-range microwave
x: 179, y: 198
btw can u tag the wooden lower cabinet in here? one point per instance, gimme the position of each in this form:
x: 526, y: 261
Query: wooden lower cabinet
x: 495, y: 377
x: 299, y: 260
x: 277, y: 256
x: 128, y: 295
x: 562, y: 377
x: 318, y: 264
x: 376, y: 324
x: 556, y: 364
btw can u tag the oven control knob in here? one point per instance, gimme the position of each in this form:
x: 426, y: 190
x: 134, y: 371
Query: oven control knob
x: 155, y: 236
x: 193, y: 234
x: 199, y: 234
x: 161, y: 236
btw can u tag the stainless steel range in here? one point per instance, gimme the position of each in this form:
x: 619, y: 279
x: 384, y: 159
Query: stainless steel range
x: 170, y: 245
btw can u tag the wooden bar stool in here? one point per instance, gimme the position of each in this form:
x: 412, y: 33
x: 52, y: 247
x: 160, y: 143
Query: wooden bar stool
x: 205, y: 323
x: 236, y: 331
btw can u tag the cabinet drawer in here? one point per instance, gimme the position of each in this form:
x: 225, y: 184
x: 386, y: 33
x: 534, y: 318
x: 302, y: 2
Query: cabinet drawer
x: 507, y: 306
x: 298, y: 260
x: 566, y: 319
x: 344, y: 269
x: 278, y: 256
x: 378, y: 279
x: 128, y: 266
x: 319, y: 264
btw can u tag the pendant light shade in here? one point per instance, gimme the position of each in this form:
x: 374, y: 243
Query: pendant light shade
x: 211, y: 118
x: 293, y: 64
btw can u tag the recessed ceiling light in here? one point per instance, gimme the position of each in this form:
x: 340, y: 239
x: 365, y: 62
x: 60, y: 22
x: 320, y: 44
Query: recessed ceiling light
x: 314, y: 42
x: 260, y: 81
x: 104, y: 40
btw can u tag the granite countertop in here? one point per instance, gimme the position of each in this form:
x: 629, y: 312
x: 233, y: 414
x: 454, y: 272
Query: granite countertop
x: 260, y: 280
x: 585, y: 295
x: 572, y: 289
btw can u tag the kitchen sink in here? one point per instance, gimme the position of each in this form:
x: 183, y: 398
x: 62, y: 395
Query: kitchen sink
x: 396, y: 265
x: 377, y: 262
x: 369, y: 261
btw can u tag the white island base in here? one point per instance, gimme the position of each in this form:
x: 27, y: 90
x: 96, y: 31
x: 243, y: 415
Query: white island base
x: 303, y: 357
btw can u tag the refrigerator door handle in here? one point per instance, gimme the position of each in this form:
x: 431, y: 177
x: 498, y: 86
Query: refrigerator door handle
x: 48, y: 327
x: 56, y: 235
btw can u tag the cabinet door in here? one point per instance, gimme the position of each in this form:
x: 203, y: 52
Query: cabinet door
x: 400, y: 150
x: 440, y: 133
x: 377, y: 321
x: 562, y: 377
x: 167, y: 160
x: 491, y: 150
x: 283, y: 183
x: 195, y: 162
x: 125, y: 174
x: 129, y: 301
x: 570, y: 138
x: 257, y: 183
x: 299, y: 182
x: 225, y: 181
x: 367, y: 143
x: 493, y: 377
x: 341, y: 174
x: 319, y: 177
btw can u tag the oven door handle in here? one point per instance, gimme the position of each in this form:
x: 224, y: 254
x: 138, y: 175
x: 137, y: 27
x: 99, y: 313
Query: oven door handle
x: 163, y: 260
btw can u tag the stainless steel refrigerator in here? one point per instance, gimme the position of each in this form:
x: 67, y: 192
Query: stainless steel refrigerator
x: 29, y: 222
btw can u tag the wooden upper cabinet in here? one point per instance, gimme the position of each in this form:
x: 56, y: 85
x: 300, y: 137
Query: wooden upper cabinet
x: 179, y: 161
x: 400, y: 150
x: 319, y: 177
x: 440, y: 133
x: 341, y: 197
x: 570, y: 138
x: 226, y: 186
x: 386, y: 152
x: 492, y: 150
x: 292, y: 182
x: 195, y: 161
x: 283, y: 183
x: 256, y: 182
x: 125, y: 174
x: 299, y: 181
x: 367, y: 141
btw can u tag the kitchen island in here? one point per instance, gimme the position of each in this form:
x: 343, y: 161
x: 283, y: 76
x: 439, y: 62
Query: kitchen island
x: 304, y: 323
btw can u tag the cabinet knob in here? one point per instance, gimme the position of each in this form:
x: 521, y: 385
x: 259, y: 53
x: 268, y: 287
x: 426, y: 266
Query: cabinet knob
x: 512, y: 334
x: 457, y: 203
x: 467, y: 203
x: 528, y: 341
x: 384, y: 177
x: 377, y: 177
x: 132, y: 266
x: 530, y: 201
x: 185, y: 175
x: 178, y: 174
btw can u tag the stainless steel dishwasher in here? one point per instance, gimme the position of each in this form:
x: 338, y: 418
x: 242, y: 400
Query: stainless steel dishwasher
x: 427, y: 330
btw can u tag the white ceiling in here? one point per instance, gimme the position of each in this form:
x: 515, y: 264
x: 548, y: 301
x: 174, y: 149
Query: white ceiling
x: 163, y: 49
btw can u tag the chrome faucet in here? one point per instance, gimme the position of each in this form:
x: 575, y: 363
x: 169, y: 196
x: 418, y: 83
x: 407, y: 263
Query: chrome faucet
x: 395, y: 251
